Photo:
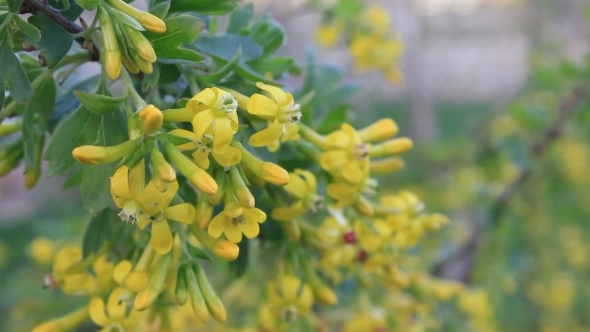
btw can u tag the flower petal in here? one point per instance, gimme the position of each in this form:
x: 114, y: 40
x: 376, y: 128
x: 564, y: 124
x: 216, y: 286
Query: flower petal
x: 290, y: 212
x: 279, y: 95
x: 223, y: 134
x: 202, y: 121
x: 310, y: 180
x: 268, y: 135
x: 233, y: 233
x: 333, y: 159
x: 218, y: 225
x: 121, y: 271
x: 201, y: 158
x: 206, y: 96
x: 255, y: 214
x: 290, y: 288
x: 136, y: 281
x: 143, y: 221
x: 262, y: 106
x: 184, y: 213
x: 65, y: 258
x: 161, y: 237
x: 230, y: 157
x: 120, y: 183
x: 96, y: 312
x: 250, y: 229
x: 296, y: 186
x: 352, y: 172
x: 115, y: 307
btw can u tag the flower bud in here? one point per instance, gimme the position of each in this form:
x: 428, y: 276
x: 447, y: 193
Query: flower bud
x: 226, y: 250
x: 147, y: 296
x: 151, y: 119
x: 197, y: 300
x: 378, y: 131
x: 10, y: 157
x: 364, y: 207
x: 96, y: 155
x: 326, y: 295
x: 241, y: 191
x: 112, y: 55
x: 131, y: 67
x: 143, y: 46
x: 388, y: 165
x: 147, y: 20
x: 197, y: 176
x: 214, y: 304
x: 64, y: 323
x: 391, y: 147
x: 267, y: 171
x: 10, y: 126
x: 144, y: 66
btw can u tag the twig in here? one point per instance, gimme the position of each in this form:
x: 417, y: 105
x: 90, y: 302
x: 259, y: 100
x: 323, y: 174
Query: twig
x: 32, y: 6
x: 459, y: 264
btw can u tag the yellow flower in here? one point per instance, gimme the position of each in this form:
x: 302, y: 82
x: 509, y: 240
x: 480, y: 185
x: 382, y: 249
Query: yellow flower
x: 74, y: 283
x: 336, y: 230
x: 215, y: 113
x: 354, y: 194
x: 377, y: 241
x: 103, y: 269
x: 132, y: 280
x: 151, y: 119
x: 289, y: 298
x: 41, y: 249
x: 328, y: 34
x: 65, y: 323
x: 161, y: 237
x: 377, y: 19
x: 130, y: 194
x: 303, y: 187
x: 347, y: 156
x: 281, y: 113
x: 234, y: 221
x: 203, y: 146
x: 116, y: 317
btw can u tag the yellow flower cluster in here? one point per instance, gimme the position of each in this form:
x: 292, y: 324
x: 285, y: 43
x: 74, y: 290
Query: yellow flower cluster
x: 369, y: 39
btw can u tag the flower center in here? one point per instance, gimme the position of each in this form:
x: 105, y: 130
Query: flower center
x: 289, y: 314
x: 361, y: 151
x: 205, y: 144
x: 129, y: 212
x: 294, y: 112
x: 238, y: 220
x: 228, y: 103
x: 349, y: 237
x: 315, y: 202
x: 50, y: 282
x: 362, y: 256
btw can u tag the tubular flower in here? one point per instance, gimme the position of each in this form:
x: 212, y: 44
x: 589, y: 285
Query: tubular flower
x: 234, y: 221
x: 161, y: 238
x: 289, y: 298
x: 348, y: 194
x: 336, y: 230
x: 203, y: 146
x: 129, y: 193
x: 215, y: 113
x: 303, y: 187
x: 377, y: 243
x: 115, y: 318
x: 281, y: 113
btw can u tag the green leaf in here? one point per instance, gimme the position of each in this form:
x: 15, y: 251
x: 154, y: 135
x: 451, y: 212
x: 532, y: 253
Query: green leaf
x: 95, y: 186
x: 174, y: 139
x: 81, y: 128
x: 225, y: 47
x: 215, y: 7
x: 99, y: 104
x: 39, y: 110
x: 69, y: 10
x: 168, y: 74
x: 13, y: 75
x: 269, y: 34
x: 223, y: 71
x: 28, y: 29
x: 87, y: 4
x: 332, y: 120
x: 150, y: 81
x: 180, y: 30
x: 99, y: 230
x: 14, y: 5
x: 240, y: 18
x: 55, y: 41
x: 276, y: 66
x: 160, y: 10
x: 121, y: 17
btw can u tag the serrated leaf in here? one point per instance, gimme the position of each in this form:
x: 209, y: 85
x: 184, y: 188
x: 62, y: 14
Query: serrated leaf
x: 269, y: 34
x: 13, y: 75
x: 28, y: 29
x: 180, y: 31
x: 160, y: 10
x: 240, y: 18
x: 14, y: 5
x: 39, y: 109
x: 174, y: 139
x: 95, y: 186
x: 223, y: 71
x: 67, y: 101
x: 225, y: 47
x: 55, y: 42
x: 99, y: 230
x: 215, y: 7
x: 99, y: 104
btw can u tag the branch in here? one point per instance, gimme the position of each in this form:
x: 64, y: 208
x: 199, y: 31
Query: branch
x: 32, y: 6
x: 459, y: 264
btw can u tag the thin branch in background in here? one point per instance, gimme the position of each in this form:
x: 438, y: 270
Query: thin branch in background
x: 32, y: 6
x: 459, y: 264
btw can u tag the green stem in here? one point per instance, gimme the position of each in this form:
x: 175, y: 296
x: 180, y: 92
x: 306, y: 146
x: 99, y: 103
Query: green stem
x: 130, y: 89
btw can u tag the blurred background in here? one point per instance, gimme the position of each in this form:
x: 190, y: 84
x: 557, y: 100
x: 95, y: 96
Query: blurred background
x: 483, y: 80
